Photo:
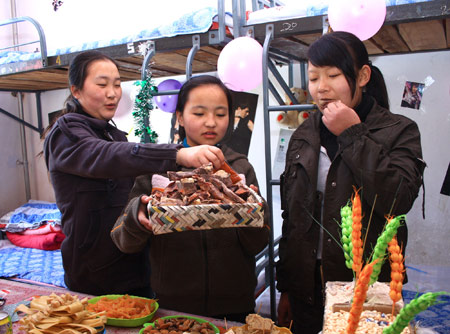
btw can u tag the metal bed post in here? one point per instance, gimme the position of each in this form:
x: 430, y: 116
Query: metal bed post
x: 265, y: 61
x: 192, y: 52
x: 23, y: 144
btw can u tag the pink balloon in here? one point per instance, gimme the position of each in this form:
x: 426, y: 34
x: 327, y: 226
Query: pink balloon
x: 240, y: 64
x: 167, y: 103
x: 362, y: 18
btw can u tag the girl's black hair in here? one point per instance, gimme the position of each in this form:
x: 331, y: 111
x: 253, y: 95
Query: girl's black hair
x: 78, y: 72
x: 203, y: 80
x: 346, y: 52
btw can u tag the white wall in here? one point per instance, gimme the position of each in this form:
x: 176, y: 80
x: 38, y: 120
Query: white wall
x: 428, y: 239
x: 12, y: 193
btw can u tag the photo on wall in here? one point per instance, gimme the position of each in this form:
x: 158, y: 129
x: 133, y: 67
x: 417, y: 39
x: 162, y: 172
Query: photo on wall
x: 412, y: 95
x: 244, y: 107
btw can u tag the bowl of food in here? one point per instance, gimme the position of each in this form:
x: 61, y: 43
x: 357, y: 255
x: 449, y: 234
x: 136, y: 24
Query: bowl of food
x: 124, y: 310
x: 180, y: 323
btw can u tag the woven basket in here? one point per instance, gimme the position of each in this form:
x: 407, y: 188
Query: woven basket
x: 175, y: 218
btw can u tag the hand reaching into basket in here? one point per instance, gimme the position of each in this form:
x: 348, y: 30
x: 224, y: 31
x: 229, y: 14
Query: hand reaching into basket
x: 197, y: 156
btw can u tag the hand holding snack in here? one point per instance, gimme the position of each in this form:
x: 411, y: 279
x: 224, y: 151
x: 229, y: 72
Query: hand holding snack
x: 337, y: 117
x: 199, y: 155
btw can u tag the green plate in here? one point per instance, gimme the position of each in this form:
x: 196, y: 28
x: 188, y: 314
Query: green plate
x: 200, y: 320
x: 125, y: 322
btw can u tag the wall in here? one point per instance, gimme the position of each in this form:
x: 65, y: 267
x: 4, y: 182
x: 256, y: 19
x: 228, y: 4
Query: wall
x: 428, y: 238
x: 12, y: 191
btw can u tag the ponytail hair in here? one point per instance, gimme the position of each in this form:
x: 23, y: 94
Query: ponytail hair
x: 376, y: 87
x: 346, y: 52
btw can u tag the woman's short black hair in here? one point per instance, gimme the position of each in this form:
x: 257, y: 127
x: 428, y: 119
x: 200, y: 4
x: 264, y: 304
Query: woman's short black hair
x: 203, y: 80
x: 348, y: 53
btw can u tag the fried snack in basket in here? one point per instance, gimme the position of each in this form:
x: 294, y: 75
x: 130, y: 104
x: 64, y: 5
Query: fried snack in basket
x: 64, y: 314
x: 202, y: 199
x: 124, y: 307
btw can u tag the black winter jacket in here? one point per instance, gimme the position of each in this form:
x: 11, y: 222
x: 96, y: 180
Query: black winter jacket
x: 92, y: 169
x: 209, y: 272
x: 382, y: 156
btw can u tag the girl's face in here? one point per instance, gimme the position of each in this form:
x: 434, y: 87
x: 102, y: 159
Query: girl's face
x: 101, y: 91
x: 328, y: 83
x: 205, y: 116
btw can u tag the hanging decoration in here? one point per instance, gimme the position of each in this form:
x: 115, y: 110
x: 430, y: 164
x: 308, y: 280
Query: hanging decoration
x: 167, y: 103
x: 240, y: 64
x: 143, y: 104
x: 56, y: 4
x: 362, y: 18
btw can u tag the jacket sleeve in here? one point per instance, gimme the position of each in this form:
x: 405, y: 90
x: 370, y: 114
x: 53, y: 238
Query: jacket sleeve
x: 391, y: 170
x: 82, y: 153
x: 128, y: 234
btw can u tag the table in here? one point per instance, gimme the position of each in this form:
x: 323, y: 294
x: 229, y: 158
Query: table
x: 19, y: 291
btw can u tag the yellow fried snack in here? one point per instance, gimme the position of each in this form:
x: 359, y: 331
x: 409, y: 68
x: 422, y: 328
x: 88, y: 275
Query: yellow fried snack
x: 63, y: 314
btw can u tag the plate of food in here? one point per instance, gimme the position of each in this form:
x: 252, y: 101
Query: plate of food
x: 257, y: 324
x: 124, y: 310
x: 180, y: 323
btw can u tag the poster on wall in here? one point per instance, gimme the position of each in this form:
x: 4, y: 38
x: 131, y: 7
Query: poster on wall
x: 412, y: 95
x: 244, y: 107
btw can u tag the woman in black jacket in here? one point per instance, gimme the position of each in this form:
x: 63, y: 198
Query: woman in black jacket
x: 92, y: 169
x: 353, y: 141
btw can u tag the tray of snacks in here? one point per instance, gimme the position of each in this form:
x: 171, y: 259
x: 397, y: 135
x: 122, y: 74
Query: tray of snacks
x: 124, y: 310
x: 179, y: 324
x: 204, y: 199
x: 60, y: 313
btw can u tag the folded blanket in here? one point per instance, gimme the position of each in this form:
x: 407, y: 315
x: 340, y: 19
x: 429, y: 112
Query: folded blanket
x: 43, y: 229
x: 30, y: 216
x: 49, y: 241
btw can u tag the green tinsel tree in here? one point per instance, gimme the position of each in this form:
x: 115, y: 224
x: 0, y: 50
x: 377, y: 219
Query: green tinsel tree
x: 143, y: 104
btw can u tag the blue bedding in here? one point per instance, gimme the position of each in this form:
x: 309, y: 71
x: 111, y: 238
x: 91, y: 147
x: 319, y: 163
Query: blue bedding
x: 31, y: 215
x: 198, y: 21
x: 32, y: 264
x: 436, y: 317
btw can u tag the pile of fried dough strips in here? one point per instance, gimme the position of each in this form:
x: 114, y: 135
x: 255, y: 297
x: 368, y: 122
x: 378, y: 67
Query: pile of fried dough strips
x: 63, y: 314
